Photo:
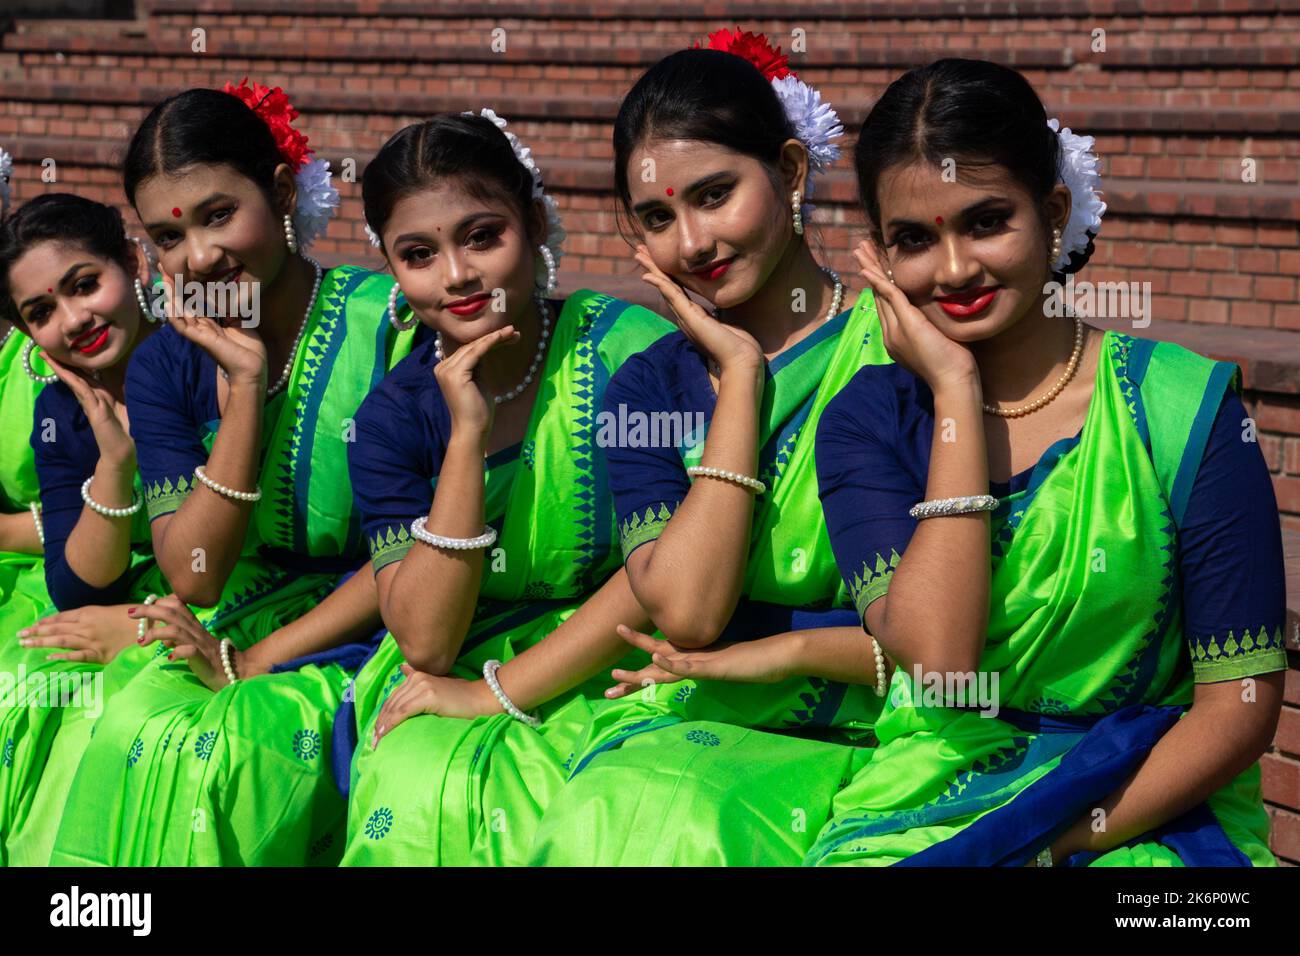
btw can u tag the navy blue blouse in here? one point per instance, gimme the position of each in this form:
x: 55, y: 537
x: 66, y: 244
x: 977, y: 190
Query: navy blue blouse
x: 402, y: 430
x: 873, y: 456
x: 62, y: 465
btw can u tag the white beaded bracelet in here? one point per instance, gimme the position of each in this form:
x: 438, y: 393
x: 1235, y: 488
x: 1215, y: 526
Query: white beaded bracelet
x: 943, y: 507
x: 880, y: 668
x: 40, y: 526
x: 226, y: 665
x: 254, y: 495
x: 753, y: 484
x: 143, y: 625
x: 136, y: 503
x: 490, y: 675
x: 418, y: 532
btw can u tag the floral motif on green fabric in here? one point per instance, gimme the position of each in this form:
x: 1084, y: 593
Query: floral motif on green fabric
x: 162, y: 498
x: 389, y: 545
x: 379, y: 823
x: 643, y: 527
x: 1239, y: 654
x: 870, y: 584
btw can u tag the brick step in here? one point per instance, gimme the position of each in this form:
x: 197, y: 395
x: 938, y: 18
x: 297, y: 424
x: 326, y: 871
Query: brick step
x: 1142, y: 197
x: 1171, y: 144
x: 382, y: 73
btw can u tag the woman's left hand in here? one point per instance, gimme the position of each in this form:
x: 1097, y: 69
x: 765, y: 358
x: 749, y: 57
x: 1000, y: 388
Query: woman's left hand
x: 187, y: 638
x: 763, y: 661
x: 423, y: 693
x: 94, y: 633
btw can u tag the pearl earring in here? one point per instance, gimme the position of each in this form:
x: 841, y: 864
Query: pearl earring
x: 549, y: 258
x: 144, y: 301
x: 890, y: 273
x: 410, y: 323
x: 796, y: 202
x: 1056, y: 249
x: 31, y: 372
x: 290, y: 237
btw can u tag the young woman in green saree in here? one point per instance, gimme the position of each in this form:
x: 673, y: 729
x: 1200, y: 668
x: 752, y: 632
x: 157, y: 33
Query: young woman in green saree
x: 730, y: 746
x: 485, y: 503
x: 1067, y: 539
x: 241, y: 420
x: 67, y: 271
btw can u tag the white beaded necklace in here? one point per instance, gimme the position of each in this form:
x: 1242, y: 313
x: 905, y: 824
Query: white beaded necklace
x: 5, y: 338
x: 837, y: 299
x: 544, y: 309
x: 1075, y: 355
x: 283, y: 380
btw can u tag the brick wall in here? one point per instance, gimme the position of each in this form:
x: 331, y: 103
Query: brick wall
x: 1184, y: 97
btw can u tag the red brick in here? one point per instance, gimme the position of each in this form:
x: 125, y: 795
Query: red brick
x: 1291, y: 456
x: 1281, y: 779
x: 1287, y: 738
x: 1275, y: 414
x: 1250, y: 312
x: 1287, y: 490
x: 1232, y: 286
x: 1234, y: 235
x: 1257, y: 260
x: 1284, y: 834
x: 1271, y: 446
x: 1208, y: 310
x: 1286, y: 316
x: 1171, y: 257
x: 1275, y: 289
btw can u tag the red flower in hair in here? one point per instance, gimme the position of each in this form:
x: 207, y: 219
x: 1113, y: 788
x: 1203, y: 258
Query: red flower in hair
x: 771, y: 62
x: 273, y: 106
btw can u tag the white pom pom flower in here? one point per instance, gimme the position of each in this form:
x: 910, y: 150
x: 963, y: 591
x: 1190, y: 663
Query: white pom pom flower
x: 815, y: 124
x: 1078, y: 171
x: 317, y: 201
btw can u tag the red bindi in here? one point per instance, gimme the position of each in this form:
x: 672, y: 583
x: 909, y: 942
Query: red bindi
x: 176, y: 212
x: 51, y: 291
x: 938, y: 220
x: 669, y: 190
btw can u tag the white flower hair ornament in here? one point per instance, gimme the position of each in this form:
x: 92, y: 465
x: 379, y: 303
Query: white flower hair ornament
x: 815, y: 125
x: 318, y: 200
x: 6, y: 170
x: 1078, y: 171
x: 555, y: 234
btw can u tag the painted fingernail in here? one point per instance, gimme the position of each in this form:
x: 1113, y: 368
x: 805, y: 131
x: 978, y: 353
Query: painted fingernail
x: 130, y: 610
x: 139, y: 640
x: 171, y: 657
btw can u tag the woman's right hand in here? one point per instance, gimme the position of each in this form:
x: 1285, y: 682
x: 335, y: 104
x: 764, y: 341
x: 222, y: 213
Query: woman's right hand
x: 242, y: 358
x: 728, y: 346
x: 910, y: 338
x: 471, y: 405
x: 106, y: 415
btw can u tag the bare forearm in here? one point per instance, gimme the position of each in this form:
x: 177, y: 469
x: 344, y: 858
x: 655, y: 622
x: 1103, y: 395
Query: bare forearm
x: 693, y: 578
x: 18, y: 534
x: 1198, y: 756
x: 580, y: 648
x: 99, y: 548
x: 210, y: 521
x: 936, y: 611
x: 430, y: 605
x: 841, y: 654
x: 349, y: 613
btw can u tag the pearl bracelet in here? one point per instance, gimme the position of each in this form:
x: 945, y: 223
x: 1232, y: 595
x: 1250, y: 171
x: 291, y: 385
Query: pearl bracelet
x: 136, y: 503
x: 418, y: 532
x: 943, y: 507
x: 143, y: 625
x: 254, y: 495
x: 40, y: 526
x: 490, y: 675
x: 753, y: 484
x: 226, y: 665
x: 880, y: 668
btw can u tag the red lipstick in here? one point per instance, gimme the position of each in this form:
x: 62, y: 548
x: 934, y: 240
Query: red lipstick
x: 715, y: 270
x: 88, y: 343
x: 964, y: 305
x: 470, y: 305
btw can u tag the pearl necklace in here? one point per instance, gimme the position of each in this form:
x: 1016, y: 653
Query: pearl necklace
x: 544, y: 308
x: 5, y: 338
x: 837, y: 297
x: 1075, y: 355
x: 283, y: 380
